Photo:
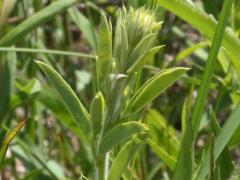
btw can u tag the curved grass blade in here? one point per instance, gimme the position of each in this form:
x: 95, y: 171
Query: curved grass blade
x: 119, y: 134
x: 71, y: 101
x: 34, y: 21
x: 8, y: 139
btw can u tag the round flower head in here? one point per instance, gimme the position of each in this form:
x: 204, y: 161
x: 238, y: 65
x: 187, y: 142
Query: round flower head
x: 134, y: 28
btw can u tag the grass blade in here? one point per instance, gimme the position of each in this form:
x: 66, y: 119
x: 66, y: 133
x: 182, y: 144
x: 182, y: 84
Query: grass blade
x: 184, y: 166
x: 34, y: 21
x: 46, y: 51
x: 85, y: 26
x: 221, y: 141
x: 8, y: 139
x: 208, y: 71
x: 7, y: 78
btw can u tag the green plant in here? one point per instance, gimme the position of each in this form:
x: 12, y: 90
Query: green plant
x: 115, y: 112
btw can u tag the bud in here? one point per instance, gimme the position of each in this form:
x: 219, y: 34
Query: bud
x: 136, y: 33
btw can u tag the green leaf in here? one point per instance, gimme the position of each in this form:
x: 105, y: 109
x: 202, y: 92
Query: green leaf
x: 84, y: 25
x: 224, y: 161
x: 209, y: 69
x: 51, y: 101
x: 8, y: 139
x: 167, y: 159
x: 184, y: 166
x: 222, y: 140
x: 143, y: 59
x: 123, y: 158
x: 46, y: 51
x: 69, y: 98
x: 162, y: 133
x: 97, y: 113
x: 7, y: 77
x: 104, y: 53
x: 34, y: 21
x: 154, y: 87
x: 119, y: 134
x: 141, y: 48
x: 187, y: 52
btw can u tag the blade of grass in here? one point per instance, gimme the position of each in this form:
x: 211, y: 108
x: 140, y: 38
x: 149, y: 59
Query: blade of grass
x: 185, y: 161
x: 85, y: 26
x: 209, y: 69
x: 8, y: 139
x: 46, y: 51
x: 221, y: 141
x: 34, y: 21
x: 187, y: 52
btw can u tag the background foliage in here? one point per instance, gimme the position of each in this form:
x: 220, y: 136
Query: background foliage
x: 52, y: 113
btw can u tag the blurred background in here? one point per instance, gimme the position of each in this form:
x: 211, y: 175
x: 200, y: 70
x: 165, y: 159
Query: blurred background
x: 48, y: 146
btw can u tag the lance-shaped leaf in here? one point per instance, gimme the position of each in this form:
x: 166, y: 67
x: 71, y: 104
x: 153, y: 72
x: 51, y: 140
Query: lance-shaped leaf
x: 67, y: 95
x: 141, y: 47
x: 34, y: 21
x: 97, y: 113
x: 119, y: 134
x: 104, y: 53
x: 125, y: 156
x: 154, y: 87
x: 50, y: 99
x: 143, y: 59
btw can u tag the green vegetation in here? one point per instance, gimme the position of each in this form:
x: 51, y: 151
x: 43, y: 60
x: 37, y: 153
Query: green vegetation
x: 138, y: 89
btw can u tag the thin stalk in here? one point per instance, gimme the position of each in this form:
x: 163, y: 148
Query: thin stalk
x: 209, y: 69
x: 47, y: 51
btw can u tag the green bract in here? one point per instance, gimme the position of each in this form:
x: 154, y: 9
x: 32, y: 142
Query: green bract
x: 136, y: 32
